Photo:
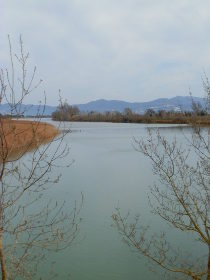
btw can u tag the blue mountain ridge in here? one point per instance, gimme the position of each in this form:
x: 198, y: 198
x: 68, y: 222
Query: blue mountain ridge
x: 178, y: 103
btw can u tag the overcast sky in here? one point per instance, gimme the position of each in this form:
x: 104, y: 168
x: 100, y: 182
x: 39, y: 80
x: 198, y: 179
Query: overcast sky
x: 133, y: 50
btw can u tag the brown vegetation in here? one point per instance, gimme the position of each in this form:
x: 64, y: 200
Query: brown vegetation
x: 21, y: 135
x: 31, y: 222
x: 69, y: 113
x: 180, y: 197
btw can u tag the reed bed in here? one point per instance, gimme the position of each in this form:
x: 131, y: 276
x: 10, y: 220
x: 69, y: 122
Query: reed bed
x: 20, y: 136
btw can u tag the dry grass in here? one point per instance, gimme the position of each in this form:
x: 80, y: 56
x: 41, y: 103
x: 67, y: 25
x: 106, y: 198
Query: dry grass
x: 19, y: 136
x: 199, y: 120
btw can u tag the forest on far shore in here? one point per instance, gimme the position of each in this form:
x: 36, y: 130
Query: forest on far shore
x: 66, y: 112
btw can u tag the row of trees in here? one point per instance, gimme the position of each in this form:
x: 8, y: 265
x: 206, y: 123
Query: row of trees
x: 66, y: 112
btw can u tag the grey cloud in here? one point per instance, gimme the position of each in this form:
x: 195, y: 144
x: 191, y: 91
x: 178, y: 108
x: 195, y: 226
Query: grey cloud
x: 122, y: 49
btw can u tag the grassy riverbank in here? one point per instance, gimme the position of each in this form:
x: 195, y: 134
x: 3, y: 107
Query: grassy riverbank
x: 116, y: 117
x: 18, y: 136
x: 152, y: 120
x: 199, y: 115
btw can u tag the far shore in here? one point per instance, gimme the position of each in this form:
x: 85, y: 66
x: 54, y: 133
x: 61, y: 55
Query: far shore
x: 67, y: 112
x: 199, y: 120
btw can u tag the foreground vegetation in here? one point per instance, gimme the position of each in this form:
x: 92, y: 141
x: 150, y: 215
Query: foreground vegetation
x: 31, y: 223
x: 180, y: 196
x: 16, y: 135
x: 66, y: 112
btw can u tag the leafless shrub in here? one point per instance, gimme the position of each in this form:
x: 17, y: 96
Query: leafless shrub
x: 181, y: 199
x: 30, y: 223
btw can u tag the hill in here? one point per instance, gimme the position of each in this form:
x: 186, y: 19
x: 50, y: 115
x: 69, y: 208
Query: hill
x: 178, y: 103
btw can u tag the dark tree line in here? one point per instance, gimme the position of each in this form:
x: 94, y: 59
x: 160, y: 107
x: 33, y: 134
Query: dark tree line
x: 66, y: 112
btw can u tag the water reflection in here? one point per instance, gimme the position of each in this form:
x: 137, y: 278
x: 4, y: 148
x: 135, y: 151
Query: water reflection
x: 110, y: 172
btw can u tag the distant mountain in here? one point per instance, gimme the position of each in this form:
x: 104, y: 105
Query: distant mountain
x: 178, y: 103
x: 28, y: 110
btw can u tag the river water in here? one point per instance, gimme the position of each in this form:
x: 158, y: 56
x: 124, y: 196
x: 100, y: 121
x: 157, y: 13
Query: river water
x: 110, y: 173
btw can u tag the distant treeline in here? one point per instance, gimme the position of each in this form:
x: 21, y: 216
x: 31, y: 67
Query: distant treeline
x: 66, y: 112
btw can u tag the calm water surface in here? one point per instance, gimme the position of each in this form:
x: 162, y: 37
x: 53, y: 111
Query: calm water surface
x: 109, y: 172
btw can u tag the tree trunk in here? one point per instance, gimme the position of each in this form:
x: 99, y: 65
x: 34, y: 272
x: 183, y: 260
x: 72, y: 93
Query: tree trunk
x: 2, y: 260
x: 208, y: 268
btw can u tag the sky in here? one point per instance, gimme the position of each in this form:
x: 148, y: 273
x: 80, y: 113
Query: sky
x: 132, y: 50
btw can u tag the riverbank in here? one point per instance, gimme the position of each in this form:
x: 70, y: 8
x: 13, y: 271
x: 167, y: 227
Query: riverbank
x: 120, y: 118
x: 20, y: 136
x: 71, y: 113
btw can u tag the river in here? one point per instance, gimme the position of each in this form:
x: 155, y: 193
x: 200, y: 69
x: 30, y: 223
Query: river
x: 110, y: 173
